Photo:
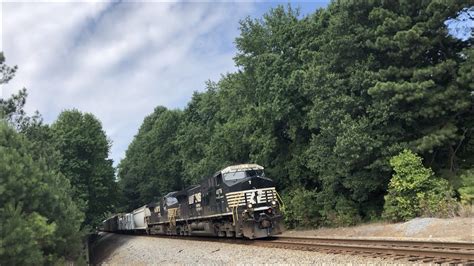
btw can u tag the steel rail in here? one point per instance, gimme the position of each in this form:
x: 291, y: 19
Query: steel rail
x: 412, y: 250
x: 456, y: 256
x: 384, y: 242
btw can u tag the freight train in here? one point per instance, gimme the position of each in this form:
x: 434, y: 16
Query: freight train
x: 238, y: 201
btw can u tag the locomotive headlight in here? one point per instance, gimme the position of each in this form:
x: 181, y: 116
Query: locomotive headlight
x: 274, y: 203
x: 250, y: 205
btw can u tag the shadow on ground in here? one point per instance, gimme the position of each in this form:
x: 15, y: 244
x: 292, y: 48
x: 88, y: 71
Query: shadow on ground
x: 105, y: 245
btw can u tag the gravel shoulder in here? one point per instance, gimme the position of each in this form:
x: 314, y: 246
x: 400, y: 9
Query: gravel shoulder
x: 114, y: 249
x: 435, y: 229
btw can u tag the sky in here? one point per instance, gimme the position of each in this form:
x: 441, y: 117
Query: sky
x: 119, y: 60
x: 462, y: 26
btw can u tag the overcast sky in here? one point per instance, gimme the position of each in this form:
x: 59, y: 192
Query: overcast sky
x: 120, y: 60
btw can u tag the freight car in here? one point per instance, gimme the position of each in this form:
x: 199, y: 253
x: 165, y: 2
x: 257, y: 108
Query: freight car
x: 238, y: 201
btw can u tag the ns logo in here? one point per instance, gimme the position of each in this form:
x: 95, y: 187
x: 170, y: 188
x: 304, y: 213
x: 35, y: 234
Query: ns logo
x: 254, y: 197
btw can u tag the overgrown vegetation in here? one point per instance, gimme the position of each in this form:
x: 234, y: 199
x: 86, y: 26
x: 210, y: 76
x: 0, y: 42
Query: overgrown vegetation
x: 323, y: 102
x: 466, y: 190
x: 414, y: 191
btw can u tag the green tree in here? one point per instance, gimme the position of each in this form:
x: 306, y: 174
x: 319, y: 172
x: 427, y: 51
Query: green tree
x: 12, y: 109
x: 272, y: 100
x: 425, y: 98
x: 40, y: 221
x: 84, y: 150
x: 199, y: 122
x: 8, y: 72
x: 324, y: 101
x: 466, y: 189
x: 414, y: 191
x: 384, y: 76
x: 152, y: 167
x: 297, y: 211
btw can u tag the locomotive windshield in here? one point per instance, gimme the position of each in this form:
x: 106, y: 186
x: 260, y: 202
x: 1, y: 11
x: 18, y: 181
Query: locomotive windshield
x: 234, y: 176
x: 171, y: 201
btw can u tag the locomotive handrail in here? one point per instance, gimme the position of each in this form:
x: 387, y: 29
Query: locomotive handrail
x: 234, y: 214
x: 172, y: 213
x: 234, y: 207
x: 280, y: 200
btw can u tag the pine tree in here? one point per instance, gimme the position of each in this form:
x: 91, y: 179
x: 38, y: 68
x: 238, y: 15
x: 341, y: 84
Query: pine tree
x: 40, y: 221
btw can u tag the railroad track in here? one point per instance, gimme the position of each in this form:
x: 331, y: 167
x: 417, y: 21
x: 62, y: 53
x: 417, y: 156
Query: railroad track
x: 408, y: 250
x: 411, y: 250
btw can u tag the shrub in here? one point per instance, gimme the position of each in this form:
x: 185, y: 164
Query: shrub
x: 300, y: 208
x: 466, y: 191
x: 345, y: 213
x: 415, y: 191
x: 307, y: 208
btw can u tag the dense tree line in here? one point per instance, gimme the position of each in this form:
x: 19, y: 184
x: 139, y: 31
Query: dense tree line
x: 149, y: 171
x: 323, y: 102
x: 56, y: 183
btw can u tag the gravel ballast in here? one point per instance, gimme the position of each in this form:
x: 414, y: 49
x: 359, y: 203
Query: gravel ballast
x: 115, y: 249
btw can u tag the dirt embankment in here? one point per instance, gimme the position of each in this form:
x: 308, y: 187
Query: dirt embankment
x: 453, y: 229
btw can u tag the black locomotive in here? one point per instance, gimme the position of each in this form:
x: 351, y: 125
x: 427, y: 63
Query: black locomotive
x: 238, y: 201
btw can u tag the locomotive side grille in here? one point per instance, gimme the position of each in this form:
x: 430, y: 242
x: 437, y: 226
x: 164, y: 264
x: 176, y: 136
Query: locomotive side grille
x: 254, y: 196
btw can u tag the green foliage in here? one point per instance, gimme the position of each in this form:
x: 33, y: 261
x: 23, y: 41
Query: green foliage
x: 12, y: 109
x: 344, y: 213
x: 40, y: 222
x: 7, y: 72
x: 322, y: 101
x: 301, y: 208
x: 415, y: 191
x: 84, y: 150
x: 467, y: 187
x: 152, y: 167
x: 374, y: 94
x: 21, y: 238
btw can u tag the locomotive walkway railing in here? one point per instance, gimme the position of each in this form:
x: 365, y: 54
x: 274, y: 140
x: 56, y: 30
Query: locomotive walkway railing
x: 234, y: 208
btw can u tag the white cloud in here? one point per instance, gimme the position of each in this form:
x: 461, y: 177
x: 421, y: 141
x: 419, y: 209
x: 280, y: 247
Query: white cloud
x: 462, y: 27
x: 117, y: 61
